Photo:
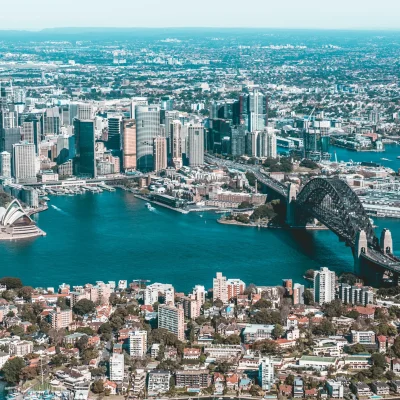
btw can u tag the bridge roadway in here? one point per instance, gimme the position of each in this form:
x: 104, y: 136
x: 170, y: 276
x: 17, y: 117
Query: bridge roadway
x: 271, y: 183
x: 387, y: 261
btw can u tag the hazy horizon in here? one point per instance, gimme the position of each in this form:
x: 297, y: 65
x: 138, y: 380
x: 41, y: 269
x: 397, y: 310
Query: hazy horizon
x: 289, y: 14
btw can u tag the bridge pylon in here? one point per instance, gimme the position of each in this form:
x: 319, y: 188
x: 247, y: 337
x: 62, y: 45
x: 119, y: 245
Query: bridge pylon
x: 291, y: 204
x: 361, y: 247
x: 386, y: 242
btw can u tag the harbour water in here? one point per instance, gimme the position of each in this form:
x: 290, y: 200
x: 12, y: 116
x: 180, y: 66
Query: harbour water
x: 112, y: 236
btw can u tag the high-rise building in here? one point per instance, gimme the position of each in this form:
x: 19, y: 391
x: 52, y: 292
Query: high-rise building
x: 5, y: 164
x: 220, y: 288
x: 159, y: 153
x: 238, y: 142
x: 172, y: 319
x: 51, y: 121
x: 24, y: 163
x: 298, y: 294
x: 137, y: 343
x: 60, y: 319
x: 267, y: 143
x: 84, y: 111
x: 176, y: 142
x: 324, y: 286
x: 266, y: 375
x: 115, y: 129
x: 257, y: 111
x: 235, y: 287
x: 196, y: 145
x: 30, y: 131
x: 129, y: 145
x: 147, y: 129
x: 85, y: 147
x: 117, y: 365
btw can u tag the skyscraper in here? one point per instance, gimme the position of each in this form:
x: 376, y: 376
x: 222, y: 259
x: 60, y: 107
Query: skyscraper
x: 30, y: 131
x: 24, y: 162
x: 115, y: 128
x: 159, y: 153
x: 147, y: 128
x: 220, y: 288
x: 85, y: 147
x: 176, y: 141
x: 196, y: 145
x: 129, y: 145
x: 257, y: 111
x: 84, y: 111
x: 172, y: 319
x: 5, y: 164
x: 238, y: 143
x: 117, y: 364
x: 51, y: 121
x: 267, y: 143
x: 324, y: 286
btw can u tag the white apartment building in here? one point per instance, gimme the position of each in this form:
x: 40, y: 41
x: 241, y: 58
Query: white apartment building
x: 158, y: 382
x: 324, y: 286
x: 266, y: 375
x: 220, y: 288
x: 117, y: 367
x: 137, y: 343
x: 21, y: 348
x: 172, y: 319
x: 24, y: 163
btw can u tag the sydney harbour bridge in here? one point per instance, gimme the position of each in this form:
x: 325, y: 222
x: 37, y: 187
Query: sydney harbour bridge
x: 334, y: 204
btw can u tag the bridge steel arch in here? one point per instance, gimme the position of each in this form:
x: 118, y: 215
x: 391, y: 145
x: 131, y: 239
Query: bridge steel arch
x: 336, y: 205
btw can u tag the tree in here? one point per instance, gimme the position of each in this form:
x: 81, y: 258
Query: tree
x: 98, y: 387
x: 83, y: 307
x: 29, y: 373
x: 324, y: 328
x: 25, y: 292
x: 266, y: 346
x: 232, y: 339
x: 218, y: 303
x: 244, y: 205
x: 11, y: 283
x: 379, y: 360
x: 62, y: 303
x: 278, y: 331
x: 262, y: 303
x: 267, y: 317
x: 308, y: 297
x: 349, y: 278
x: 309, y: 274
x: 334, y: 308
x: 12, y: 369
x: 250, y: 289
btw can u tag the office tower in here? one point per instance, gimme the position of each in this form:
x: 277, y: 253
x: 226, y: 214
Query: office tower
x: 30, y: 131
x: 176, y: 142
x: 267, y: 143
x: 172, y: 319
x: 129, y: 145
x: 147, y: 128
x: 159, y: 153
x: 24, y: 162
x: 324, y: 286
x: 65, y: 148
x: 117, y: 364
x: 9, y: 137
x: 220, y: 289
x: 137, y: 101
x: 51, y: 121
x: 252, y: 144
x: 218, y: 130
x: 238, y: 143
x: 115, y: 128
x: 138, y: 343
x: 5, y: 164
x: 167, y: 103
x: 235, y: 287
x: 298, y: 294
x: 257, y: 111
x: 196, y: 145
x: 85, y: 147
x: 73, y: 112
x: 9, y: 119
x: 65, y: 115
x: 266, y: 375
x: 84, y: 111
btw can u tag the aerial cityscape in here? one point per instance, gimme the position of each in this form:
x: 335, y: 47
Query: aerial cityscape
x: 199, y: 212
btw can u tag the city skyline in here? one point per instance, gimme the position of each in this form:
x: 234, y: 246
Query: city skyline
x: 306, y: 15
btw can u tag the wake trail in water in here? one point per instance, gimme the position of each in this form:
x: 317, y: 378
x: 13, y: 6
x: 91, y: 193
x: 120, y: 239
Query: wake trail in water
x: 59, y: 210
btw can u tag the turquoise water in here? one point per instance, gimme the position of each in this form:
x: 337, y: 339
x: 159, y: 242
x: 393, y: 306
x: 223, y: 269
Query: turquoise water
x: 112, y: 236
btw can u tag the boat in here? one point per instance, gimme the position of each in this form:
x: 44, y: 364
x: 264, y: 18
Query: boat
x: 150, y: 207
x: 385, y: 159
x: 398, y: 157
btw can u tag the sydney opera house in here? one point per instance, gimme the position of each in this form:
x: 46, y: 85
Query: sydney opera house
x: 16, y: 224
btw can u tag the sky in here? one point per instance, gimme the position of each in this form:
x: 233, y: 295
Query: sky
x: 325, y: 14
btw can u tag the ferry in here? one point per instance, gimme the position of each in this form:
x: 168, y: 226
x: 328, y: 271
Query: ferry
x: 385, y: 159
